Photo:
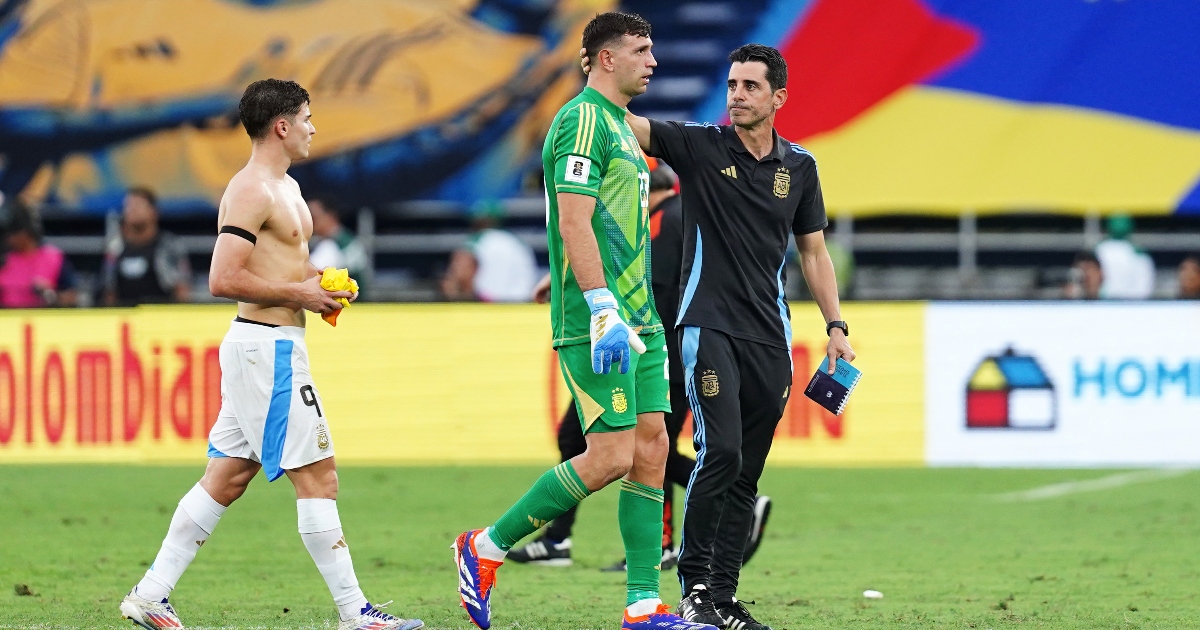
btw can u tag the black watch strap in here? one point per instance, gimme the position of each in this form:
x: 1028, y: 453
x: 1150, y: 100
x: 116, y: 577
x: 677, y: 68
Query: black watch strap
x: 837, y: 323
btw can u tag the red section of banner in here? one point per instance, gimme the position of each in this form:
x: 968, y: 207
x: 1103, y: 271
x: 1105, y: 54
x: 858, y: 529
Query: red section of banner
x: 850, y: 54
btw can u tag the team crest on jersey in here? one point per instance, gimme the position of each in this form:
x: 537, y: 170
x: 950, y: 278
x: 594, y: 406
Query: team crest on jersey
x: 783, y: 183
x: 619, y: 403
x: 322, y: 437
x: 709, y: 384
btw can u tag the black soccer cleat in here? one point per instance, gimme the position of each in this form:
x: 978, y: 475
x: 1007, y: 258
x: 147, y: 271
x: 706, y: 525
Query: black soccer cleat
x: 698, y: 607
x: 544, y: 552
x: 762, y: 511
x: 735, y: 617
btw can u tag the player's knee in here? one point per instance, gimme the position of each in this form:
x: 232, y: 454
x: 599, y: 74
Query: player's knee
x: 619, y: 465
x: 327, y: 485
x: 653, y: 449
x: 224, y: 490
x: 612, y: 464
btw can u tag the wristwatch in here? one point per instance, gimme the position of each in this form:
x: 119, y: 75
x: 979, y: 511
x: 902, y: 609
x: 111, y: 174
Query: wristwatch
x: 837, y: 323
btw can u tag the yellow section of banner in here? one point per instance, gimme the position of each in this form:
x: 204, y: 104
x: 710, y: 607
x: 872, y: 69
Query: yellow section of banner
x: 970, y: 151
x: 884, y: 420
x: 437, y: 383
x: 405, y: 384
x: 114, y: 385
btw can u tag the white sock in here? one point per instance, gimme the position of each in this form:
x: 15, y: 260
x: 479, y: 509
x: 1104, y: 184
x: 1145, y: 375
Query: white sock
x: 321, y: 530
x: 643, y: 607
x: 194, y: 520
x: 487, y: 548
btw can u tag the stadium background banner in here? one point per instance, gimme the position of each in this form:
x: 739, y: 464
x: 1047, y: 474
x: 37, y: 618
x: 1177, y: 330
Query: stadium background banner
x: 402, y: 384
x: 991, y: 105
x: 445, y: 99
x: 909, y: 105
x: 1063, y: 384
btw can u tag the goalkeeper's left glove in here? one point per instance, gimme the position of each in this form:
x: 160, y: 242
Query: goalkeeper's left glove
x: 612, y: 338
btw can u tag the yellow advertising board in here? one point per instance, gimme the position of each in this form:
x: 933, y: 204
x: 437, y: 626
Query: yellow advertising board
x: 410, y: 384
x: 884, y: 420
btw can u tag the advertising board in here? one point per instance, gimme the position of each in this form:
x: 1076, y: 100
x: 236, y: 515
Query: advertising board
x: 411, y: 384
x: 1062, y: 384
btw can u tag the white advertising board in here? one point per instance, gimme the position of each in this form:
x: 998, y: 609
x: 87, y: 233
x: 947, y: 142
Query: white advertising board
x: 1062, y: 384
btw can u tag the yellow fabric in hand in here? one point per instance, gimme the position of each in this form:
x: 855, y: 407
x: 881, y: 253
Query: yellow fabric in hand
x: 337, y: 280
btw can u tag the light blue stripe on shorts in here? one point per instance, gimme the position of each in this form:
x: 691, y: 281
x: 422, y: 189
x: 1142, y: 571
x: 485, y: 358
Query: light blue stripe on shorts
x: 275, y: 428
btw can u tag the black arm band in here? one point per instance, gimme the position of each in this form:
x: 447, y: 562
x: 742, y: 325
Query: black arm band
x: 237, y: 231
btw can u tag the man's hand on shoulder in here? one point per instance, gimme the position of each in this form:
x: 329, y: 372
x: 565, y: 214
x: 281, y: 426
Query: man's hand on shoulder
x: 639, y: 125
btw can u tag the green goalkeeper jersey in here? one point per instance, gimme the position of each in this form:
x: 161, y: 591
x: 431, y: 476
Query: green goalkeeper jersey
x: 590, y: 150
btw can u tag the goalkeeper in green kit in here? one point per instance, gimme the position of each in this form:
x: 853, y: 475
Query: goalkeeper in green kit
x: 610, y: 342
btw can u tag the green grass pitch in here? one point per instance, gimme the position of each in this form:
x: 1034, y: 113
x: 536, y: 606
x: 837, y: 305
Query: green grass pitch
x: 942, y: 548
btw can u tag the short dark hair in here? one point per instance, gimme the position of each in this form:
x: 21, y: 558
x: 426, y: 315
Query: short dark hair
x: 770, y: 57
x: 606, y: 28
x: 268, y: 99
x: 145, y: 193
x: 1086, y: 256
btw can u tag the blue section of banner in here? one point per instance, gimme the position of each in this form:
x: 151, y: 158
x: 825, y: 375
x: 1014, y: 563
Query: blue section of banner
x: 1190, y: 204
x: 1132, y: 58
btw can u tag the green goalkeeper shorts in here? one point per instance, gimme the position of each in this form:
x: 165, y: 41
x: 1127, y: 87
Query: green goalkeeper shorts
x: 611, y: 402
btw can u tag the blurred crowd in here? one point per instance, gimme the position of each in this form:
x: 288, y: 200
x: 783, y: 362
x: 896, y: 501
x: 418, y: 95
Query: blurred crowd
x: 144, y: 264
x: 1116, y: 269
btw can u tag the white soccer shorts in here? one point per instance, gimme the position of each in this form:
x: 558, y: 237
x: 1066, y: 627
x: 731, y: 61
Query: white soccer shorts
x: 270, y: 410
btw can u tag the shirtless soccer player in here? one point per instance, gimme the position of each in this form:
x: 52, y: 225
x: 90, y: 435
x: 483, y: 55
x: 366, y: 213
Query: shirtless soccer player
x: 610, y: 341
x: 271, y: 416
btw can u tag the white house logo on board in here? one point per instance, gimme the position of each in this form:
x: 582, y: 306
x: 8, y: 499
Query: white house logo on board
x: 1010, y: 391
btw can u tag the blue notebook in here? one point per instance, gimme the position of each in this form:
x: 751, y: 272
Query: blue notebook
x: 832, y: 391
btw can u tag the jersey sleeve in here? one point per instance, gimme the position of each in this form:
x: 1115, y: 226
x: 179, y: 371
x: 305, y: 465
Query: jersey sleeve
x: 676, y: 142
x: 810, y: 214
x: 580, y: 143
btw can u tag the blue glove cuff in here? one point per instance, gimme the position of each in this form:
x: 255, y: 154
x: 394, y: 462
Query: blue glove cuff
x: 599, y: 299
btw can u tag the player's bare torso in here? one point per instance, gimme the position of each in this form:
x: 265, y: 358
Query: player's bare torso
x: 281, y: 251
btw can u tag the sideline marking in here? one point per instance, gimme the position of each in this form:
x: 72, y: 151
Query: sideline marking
x: 1090, y: 485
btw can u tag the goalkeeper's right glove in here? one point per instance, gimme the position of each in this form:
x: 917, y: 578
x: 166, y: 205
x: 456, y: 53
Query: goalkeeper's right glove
x: 612, y: 338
